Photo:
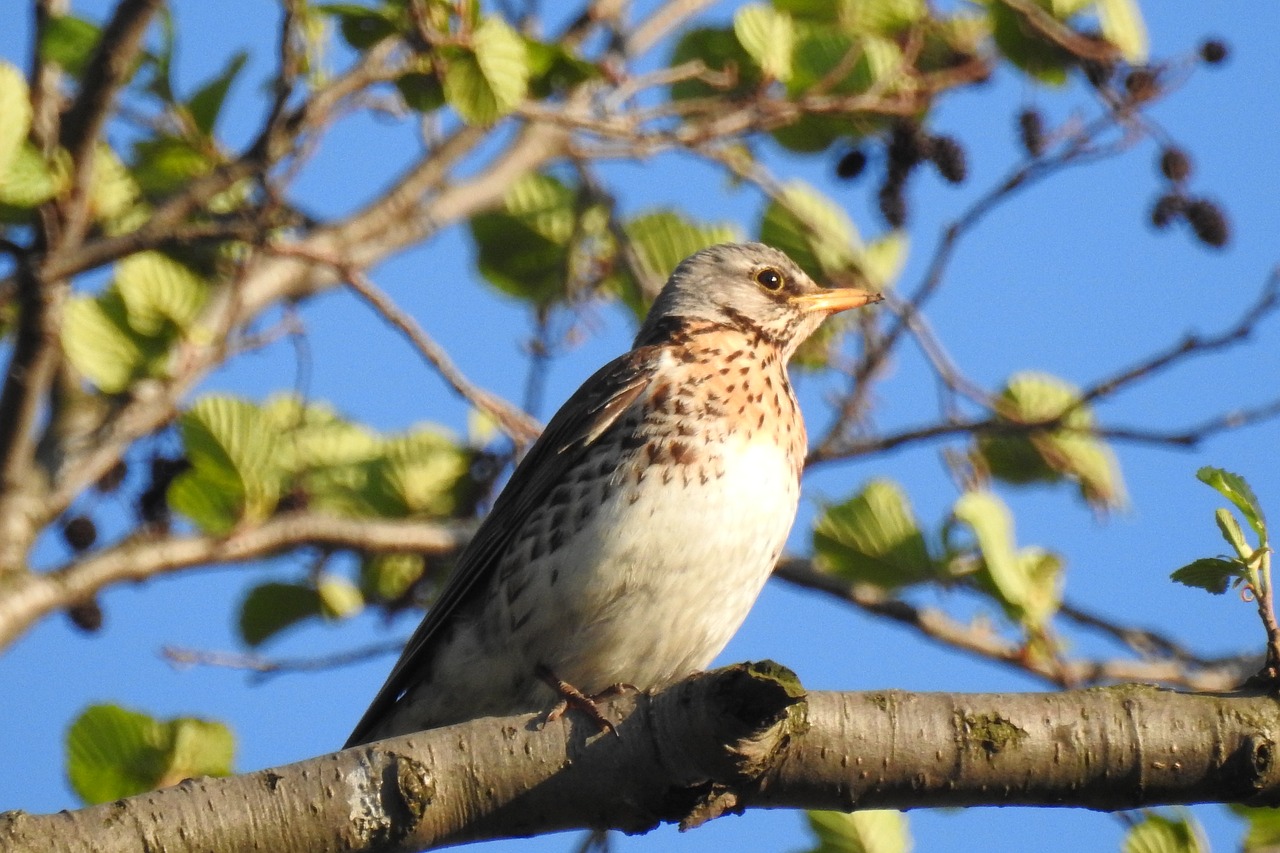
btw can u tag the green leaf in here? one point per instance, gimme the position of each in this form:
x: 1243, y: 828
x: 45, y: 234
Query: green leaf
x: 874, y: 538
x: 1027, y: 50
x: 883, y: 17
x: 869, y: 831
x: 28, y: 182
x: 841, y: 64
x: 1159, y: 834
x: 387, y: 577
x: 1070, y: 450
x: 1122, y: 25
x: 720, y: 51
x: 422, y: 474
x: 15, y: 106
x: 1236, y: 489
x: 488, y: 81
x: 421, y: 91
x: 1210, y: 573
x: 523, y: 248
x: 361, y: 26
x: 206, y: 103
x: 813, y: 230
x: 1230, y: 529
x: 339, y: 597
x: 113, y: 192
x: 664, y: 238
x: 113, y: 752
x: 69, y: 41
x: 166, y: 164
x: 100, y: 344
x: 554, y: 68
x: 767, y: 35
x: 1008, y: 576
x: 1043, y: 571
x: 883, y: 259
x: 235, y: 473
x: 269, y: 608
x: 159, y: 292
x: 1263, y: 835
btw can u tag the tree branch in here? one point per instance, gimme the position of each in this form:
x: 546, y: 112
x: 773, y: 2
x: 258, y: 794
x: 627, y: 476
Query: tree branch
x: 515, y: 423
x: 26, y: 598
x: 743, y: 737
x: 984, y: 642
x: 108, y: 69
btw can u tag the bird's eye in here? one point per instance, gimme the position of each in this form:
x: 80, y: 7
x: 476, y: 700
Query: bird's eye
x: 770, y: 279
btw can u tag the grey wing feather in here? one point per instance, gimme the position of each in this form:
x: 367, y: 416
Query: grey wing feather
x: 580, y: 422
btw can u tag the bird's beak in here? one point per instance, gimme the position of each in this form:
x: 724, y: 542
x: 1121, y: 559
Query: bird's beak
x: 835, y: 299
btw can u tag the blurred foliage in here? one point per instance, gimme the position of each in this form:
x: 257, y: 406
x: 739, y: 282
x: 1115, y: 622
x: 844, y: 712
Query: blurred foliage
x: 113, y: 752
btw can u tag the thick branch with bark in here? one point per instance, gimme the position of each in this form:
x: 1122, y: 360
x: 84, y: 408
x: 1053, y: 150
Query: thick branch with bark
x: 743, y: 737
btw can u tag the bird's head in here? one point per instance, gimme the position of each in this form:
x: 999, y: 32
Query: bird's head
x: 749, y: 286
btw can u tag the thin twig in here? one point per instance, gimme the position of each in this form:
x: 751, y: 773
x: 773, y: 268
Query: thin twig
x: 263, y: 667
x: 512, y: 421
x: 984, y: 642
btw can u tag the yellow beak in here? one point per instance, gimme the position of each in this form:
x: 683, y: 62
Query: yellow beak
x: 835, y: 300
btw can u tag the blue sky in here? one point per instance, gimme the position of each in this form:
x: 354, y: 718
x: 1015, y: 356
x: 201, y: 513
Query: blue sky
x: 1067, y: 278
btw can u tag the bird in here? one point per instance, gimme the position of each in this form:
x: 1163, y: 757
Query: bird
x: 635, y: 535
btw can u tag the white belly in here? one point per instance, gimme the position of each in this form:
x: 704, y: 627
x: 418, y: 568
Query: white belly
x: 673, y: 574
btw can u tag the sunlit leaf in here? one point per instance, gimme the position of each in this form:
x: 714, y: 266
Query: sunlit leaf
x: 865, y: 831
x: 992, y: 526
x: 1043, y: 571
x: 234, y: 464
x: 882, y: 260
x: 158, y: 290
x: 1122, y: 25
x: 69, y: 41
x: 664, y: 238
x: 113, y: 192
x: 164, y: 165
x: 420, y: 474
x: 1159, y: 834
x: 387, y: 577
x: 1210, y: 573
x: 1026, y: 49
x: 206, y: 103
x: 269, y: 608
x: 883, y: 17
x: 489, y: 80
x: 1236, y: 489
x: 873, y: 538
x: 113, y: 752
x: 15, y: 106
x: 721, y: 52
x: 554, y: 67
x: 1069, y: 450
x: 523, y: 248
x: 28, y: 182
x: 339, y: 597
x: 99, y: 343
x: 1263, y: 835
x: 1230, y: 529
x: 813, y: 230
x: 838, y: 63
x: 767, y: 35
x: 362, y: 27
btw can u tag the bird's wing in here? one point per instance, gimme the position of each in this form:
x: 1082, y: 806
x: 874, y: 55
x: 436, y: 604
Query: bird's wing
x: 579, y: 423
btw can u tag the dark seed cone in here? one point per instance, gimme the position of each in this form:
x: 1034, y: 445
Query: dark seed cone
x: 949, y: 158
x: 1209, y: 222
x: 1214, y: 51
x: 1175, y: 164
x: 851, y: 164
x: 79, y: 532
x: 1166, y: 209
x: 1031, y: 132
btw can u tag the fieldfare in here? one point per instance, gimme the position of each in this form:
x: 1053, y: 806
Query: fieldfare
x: 635, y: 535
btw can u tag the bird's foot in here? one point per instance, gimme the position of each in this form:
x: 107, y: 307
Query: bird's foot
x: 571, y: 696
